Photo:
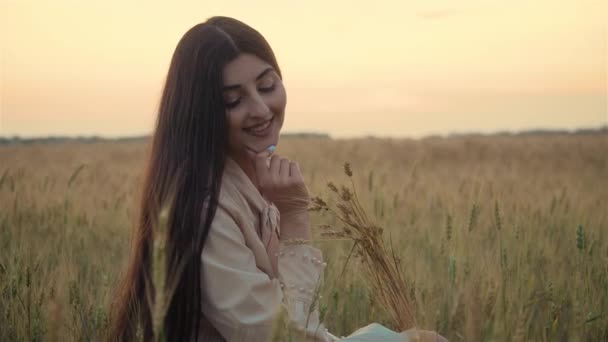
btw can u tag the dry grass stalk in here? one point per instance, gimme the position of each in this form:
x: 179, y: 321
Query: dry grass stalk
x: 380, y: 263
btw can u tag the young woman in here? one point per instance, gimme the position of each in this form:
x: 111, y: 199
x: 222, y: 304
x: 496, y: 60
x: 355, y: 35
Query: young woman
x: 237, y: 241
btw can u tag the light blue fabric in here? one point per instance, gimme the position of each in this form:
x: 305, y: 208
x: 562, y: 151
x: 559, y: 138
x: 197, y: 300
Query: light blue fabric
x: 375, y: 332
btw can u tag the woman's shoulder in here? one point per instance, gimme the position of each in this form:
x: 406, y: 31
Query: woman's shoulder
x: 233, y: 202
x: 237, y: 186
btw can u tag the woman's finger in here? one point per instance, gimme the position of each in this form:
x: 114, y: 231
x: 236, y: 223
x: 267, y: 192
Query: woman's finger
x: 275, y: 166
x: 294, y: 170
x: 284, y: 174
x: 261, y: 168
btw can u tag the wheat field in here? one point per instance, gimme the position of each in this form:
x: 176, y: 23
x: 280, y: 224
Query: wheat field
x: 502, y: 238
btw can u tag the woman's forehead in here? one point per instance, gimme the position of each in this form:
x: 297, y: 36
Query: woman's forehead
x: 243, y: 69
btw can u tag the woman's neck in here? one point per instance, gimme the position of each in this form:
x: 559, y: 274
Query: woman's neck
x: 248, y: 167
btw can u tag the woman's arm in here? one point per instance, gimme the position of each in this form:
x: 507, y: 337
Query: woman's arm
x: 300, y: 271
x: 241, y: 301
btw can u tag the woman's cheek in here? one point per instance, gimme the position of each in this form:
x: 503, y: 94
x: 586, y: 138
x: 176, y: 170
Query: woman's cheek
x: 279, y: 101
x: 234, y: 120
x: 234, y: 129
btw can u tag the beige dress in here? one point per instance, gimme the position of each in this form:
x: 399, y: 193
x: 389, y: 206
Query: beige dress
x: 242, y: 290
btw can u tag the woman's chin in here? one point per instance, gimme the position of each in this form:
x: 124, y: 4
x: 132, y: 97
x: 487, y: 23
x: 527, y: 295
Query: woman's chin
x: 260, y: 144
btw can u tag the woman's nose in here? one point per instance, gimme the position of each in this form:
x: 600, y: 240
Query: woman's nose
x: 258, y: 106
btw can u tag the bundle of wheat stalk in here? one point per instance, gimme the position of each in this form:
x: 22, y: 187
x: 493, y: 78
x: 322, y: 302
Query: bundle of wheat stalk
x: 380, y: 263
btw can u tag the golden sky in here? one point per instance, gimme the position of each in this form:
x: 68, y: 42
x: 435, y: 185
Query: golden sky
x: 351, y: 68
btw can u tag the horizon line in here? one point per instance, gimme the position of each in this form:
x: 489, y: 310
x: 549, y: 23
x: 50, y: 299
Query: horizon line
x: 99, y: 137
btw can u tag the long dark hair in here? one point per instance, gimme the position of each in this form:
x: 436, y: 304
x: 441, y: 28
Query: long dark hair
x: 183, y: 175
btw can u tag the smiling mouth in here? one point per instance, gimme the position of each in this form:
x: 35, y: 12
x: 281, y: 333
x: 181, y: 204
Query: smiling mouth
x: 260, y: 129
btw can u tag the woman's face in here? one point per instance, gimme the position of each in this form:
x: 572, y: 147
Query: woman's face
x: 255, y: 105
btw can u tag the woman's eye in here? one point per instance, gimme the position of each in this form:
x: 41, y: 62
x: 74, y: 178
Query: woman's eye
x: 236, y: 102
x: 267, y: 89
x: 233, y: 103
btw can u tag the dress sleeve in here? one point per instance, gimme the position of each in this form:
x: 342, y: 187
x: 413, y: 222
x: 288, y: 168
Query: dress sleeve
x: 242, y: 301
x: 300, y: 271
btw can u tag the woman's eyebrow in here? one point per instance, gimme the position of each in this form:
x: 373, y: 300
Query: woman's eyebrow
x: 236, y: 86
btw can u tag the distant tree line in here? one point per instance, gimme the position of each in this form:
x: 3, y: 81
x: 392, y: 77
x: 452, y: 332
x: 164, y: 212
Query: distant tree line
x: 17, y: 140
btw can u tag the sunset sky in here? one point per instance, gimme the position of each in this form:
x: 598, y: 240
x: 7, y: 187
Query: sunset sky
x: 351, y: 68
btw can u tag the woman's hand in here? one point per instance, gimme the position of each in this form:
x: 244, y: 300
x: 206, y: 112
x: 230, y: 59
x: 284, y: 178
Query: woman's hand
x: 281, y: 182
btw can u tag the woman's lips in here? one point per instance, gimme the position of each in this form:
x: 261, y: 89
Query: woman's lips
x: 261, y: 131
